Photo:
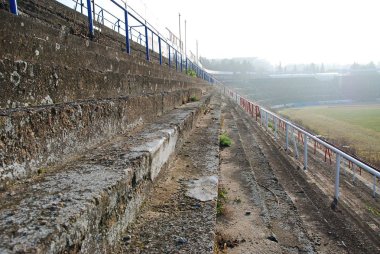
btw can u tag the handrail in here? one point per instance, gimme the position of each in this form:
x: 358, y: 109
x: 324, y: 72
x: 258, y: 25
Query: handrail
x: 263, y: 113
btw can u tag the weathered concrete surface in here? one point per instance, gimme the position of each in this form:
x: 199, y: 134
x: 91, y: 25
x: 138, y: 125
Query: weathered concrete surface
x: 31, y: 139
x: 55, y: 66
x: 31, y: 84
x: 84, y: 205
x: 170, y: 221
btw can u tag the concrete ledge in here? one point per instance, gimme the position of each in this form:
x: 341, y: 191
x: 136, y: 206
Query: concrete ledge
x: 32, y: 139
x: 84, y: 206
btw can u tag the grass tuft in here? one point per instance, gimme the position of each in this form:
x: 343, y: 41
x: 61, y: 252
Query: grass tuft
x: 224, y: 140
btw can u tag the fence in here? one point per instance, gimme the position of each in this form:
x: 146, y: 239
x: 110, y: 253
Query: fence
x: 294, y: 133
x: 135, y: 28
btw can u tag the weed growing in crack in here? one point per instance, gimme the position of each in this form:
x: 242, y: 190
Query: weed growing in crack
x: 222, y: 199
x: 224, y: 140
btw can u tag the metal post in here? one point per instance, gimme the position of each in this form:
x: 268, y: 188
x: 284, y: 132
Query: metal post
x: 169, y: 56
x: 13, y: 7
x: 81, y: 6
x: 295, y: 144
x: 337, y: 178
x: 127, y: 43
x: 181, y: 63
x: 374, y: 186
x: 266, y: 120
x: 160, y: 50
x: 305, y: 152
x: 146, y: 43
x: 275, y: 120
x: 90, y: 21
x: 287, y: 136
x: 176, y: 60
x: 186, y: 64
x: 152, y: 41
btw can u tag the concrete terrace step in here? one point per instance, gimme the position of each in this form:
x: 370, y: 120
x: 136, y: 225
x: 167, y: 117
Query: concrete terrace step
x: 32, y: 84
x: 55, y: 14
x: 179, y: 215
x: 86, y: 204
x: 36, y: 137
x: 58, y: 46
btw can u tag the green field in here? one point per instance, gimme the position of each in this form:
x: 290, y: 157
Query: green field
x: 357, y: 126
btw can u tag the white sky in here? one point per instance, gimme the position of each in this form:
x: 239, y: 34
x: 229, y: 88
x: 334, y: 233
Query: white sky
x: 287, y: 31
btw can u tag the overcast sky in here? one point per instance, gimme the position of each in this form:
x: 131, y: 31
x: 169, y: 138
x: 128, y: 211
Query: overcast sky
x: 287, y: 31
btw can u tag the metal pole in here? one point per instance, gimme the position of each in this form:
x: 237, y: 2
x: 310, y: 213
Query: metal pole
x: 152, y: 41
x: 305, y: 152
x: 181, y: 63
x: 180, y: 36
x: 176, y: 60
x: 266, y: 120
x: 374, y: 186
x: 13, y: 7
x: 159, y: 49
x: 186, y: 64
x: 287, y: 136
x: 275, y: 120
x: 90, y: 21
x: 146, y: 43
x: 337, y: 178
x: 127, y: 43
x: 169, y: 56
x: 81, y: 6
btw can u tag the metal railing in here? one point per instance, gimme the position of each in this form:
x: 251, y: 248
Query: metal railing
x: 135, y: 28
x: 293, y: 132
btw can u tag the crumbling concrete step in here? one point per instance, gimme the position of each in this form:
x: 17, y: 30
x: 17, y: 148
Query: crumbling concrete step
x: 84, y: 205
x: 179, y: 214
x: 30, y: 84
x: 55, y: 14
x: 59, y: 47
x: 34, y: 138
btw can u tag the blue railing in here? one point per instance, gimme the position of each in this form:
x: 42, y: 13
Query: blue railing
x: 135, y: 28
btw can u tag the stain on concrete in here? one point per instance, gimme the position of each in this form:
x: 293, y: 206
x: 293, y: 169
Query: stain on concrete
x: 204, y: 188
x: 15, y: 78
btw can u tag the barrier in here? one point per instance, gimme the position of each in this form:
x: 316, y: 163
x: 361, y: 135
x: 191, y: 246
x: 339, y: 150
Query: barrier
x: 293, y: 133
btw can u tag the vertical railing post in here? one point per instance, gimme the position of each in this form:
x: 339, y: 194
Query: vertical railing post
x: 146, y: 43
x: 127, y: 42
x: 81, y: 6
x: 181, y: 63
x: 286, y: 135
x: 160, y: 50
x: 13, y: 7
x: 275, y: 120
x: 152, y: 41
x: 266, y: 120
x: 90, y: 21
x: 169, y: 57
x: 176, y: 60
x: 305, y: 152
x: 337, y: 178
x: 374, y: 186
x: 186, y: 65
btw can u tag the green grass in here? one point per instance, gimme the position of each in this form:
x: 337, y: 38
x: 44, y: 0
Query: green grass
x: 356, y: 125
x: 222, y: 199
x: 224, y: 140
x: 194, y: 98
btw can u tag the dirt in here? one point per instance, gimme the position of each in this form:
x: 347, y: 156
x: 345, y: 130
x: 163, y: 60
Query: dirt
x: 274, y: 206
x: 170, y: 220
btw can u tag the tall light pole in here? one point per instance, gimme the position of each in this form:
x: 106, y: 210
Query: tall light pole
x: 179, y: 26
x: 185, y: 40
